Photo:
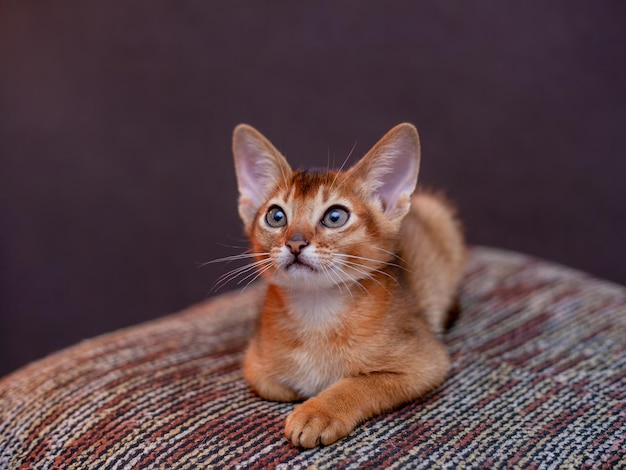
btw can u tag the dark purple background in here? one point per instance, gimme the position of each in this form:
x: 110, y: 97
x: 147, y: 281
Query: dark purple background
x: 115, y: 119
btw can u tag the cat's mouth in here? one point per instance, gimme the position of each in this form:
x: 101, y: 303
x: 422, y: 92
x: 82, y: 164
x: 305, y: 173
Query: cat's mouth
x: 298, y: 265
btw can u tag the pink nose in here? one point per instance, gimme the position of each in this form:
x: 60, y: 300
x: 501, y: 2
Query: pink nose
x: 296, y: 244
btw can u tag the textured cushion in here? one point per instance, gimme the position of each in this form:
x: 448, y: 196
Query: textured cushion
x: 538, y: 378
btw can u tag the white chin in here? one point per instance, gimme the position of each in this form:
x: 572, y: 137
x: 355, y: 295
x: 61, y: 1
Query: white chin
x: 302, y: 277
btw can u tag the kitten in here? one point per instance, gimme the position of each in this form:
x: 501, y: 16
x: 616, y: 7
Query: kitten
x: 361, y: 277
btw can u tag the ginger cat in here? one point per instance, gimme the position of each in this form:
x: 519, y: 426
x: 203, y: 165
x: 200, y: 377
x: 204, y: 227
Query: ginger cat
x: 361, y: 277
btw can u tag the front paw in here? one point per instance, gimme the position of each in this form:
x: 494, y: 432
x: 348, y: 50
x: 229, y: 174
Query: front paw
x: 311, y: 424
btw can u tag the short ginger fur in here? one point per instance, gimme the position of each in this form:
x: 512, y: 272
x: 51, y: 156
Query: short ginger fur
x: 353, y: 312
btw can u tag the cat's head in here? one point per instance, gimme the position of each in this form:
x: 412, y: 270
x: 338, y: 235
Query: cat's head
x: 318, y: 229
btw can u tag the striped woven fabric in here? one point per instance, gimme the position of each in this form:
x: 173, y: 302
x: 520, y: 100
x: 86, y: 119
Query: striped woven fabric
x: 538, y: 380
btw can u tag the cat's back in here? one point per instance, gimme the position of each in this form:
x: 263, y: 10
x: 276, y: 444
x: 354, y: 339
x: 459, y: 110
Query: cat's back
x: 432, y: 247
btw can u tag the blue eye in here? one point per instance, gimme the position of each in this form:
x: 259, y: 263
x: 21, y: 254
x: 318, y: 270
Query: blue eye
x: 275, y: 217
x: 335, y: 217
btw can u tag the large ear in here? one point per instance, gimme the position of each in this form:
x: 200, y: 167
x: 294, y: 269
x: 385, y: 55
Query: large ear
x: 259, y: 167
x: 389, y: 170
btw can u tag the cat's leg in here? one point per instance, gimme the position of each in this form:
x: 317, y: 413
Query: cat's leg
x: 336, y: 411
x: 261, y: 379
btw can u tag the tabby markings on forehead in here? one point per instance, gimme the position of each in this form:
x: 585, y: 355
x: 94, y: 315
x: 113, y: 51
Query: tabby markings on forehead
x: 311, y: 207
x: 305, y: 183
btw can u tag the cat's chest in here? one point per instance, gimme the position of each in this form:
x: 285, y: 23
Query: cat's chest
x: 321, y: 356
x: 313, y: 369
x: 317, y: 311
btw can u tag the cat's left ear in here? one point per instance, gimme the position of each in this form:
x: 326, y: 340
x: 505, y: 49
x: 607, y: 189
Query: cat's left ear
x: 389, y: 170
x: 260, y: 169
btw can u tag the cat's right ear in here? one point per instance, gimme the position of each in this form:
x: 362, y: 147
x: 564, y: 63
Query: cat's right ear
x: 388, y: 172
x: 260, y: 168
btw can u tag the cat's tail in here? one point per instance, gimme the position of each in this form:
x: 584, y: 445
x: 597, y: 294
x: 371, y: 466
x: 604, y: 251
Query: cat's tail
x: 433, y: 248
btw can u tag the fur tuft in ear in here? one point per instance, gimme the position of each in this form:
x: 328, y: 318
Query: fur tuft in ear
x: 260, y: 168
x: 389, y: 170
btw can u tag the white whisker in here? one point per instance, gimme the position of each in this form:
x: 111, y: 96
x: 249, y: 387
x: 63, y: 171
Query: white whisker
x: 258, y: 274
x: 330, y: 271
x: 242, y: 271
x: 332, y: 185
x: 246, y: 267
x: 386, y: 263
x: 367, y: 274
x: 233, y: 258
x: 395, y: 255
x: 266, y: 266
